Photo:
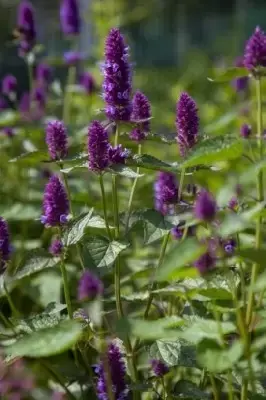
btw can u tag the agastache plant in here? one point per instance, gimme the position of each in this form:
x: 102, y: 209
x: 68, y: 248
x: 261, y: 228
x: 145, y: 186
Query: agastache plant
x: 161, y: 246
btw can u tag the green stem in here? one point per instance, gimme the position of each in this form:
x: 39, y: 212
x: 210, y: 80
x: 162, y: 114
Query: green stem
x: 66, y: 288
x: 182, y: 177
x: 214, y: 388
x: 244, y: 390
x: 161, y: 258
x: 57, y: 377
x: 71, y: 77
x: 12, y: 306
x: 104, y: 206
x: 64, y: 176
x: 260, y: 195
x: 129, y: 208
x: 31, y: 80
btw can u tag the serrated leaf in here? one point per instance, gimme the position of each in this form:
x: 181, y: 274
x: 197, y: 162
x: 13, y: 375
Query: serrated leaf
x: 74, y: 168
x: 123, y: 170
x: 74, y: 231
x: 173, y: 353
x: 159, y: 329
x: 154, y: 224
x: 34, y: 261
x: 210, y: 151
x: 100, y: 252
x: 228, y: 75
x: 47, y: 342
x: 181, y: 255
x: 206, y: 329
x: 215, y: 359
x: 187, y: 390
x: 149, y: 162
x: 32, y: 158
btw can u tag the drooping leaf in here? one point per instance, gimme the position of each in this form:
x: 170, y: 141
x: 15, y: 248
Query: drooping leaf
x: 76, y: 228
x: 163, y: 328
x: 174, y: 353
x: 48, y: 341
x: 123, y: 170
x: 181, y: 255
x: 206, y: 329
x: 253, y: 255
x: 228, y: 74
x: 34, y: 261
x: 32, y: 158
x: 187, y: 390
x: 149, y: 162
x: 210, y: 151
x: 100, y: 252
x: 216, y: 359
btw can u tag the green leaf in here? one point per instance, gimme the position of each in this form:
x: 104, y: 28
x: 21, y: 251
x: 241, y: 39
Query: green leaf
x: 215, y: 359
x: 76, y: 228
x: 123, y: 170
x: 31, y: 159
x: 100, y: 252
x: 74, y: 168
x: 228, y: 75
x: 20, y: 212
x: 149, y: 162
x: 257, y: 256
x: 46, y: 319
x: 210, y: 151
x: 34, y: 261
x: 154, y: 224
x: 187, y: 390
x: 173, y: 353
x: 8, y: 118
x: 206, y: 329
x: 181, y: 255
x: 232, y: 224
x: 47, y: 342
x: 159, y: 329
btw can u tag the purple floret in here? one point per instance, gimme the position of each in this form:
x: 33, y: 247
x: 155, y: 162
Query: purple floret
x: 90, y: 286
x: 55, y: 203
x: 187, y: 123
x: 255, y: 51
x: 140, y: 115
x: 117, y: 78
x: 165, y: 192
x: 5, y: 248
x: 205, y: 206
x: 98, y: 147
x: 159, y: 368
x: 56, y: 139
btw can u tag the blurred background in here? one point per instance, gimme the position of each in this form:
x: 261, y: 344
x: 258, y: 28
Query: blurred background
x: 174, y: 44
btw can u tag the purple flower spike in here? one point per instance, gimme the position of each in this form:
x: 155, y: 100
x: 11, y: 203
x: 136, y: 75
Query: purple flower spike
x: 55, y: 203
x: 9, y: 85
x: 117, y: 78
x: 205, y: 206
x: 98, y: 147
x: 26, y: 27
x: 255, y: 51
x: 117, y: 371
x: 187, y: 123
x: 72, y: 57
x: 118, y: 155
x: 245, y: 131
x: 141, y: 112
x: 43, y: 74
x: 165, y: 192
x: 205, y: 263
x: 89, y: 287
x: 87, y: 81
x: 8, y: 131
x: 56, y: 247
x: 5, y: 248
x: 69, y: 17
x: 56, y: 139
x: 159, y: 368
